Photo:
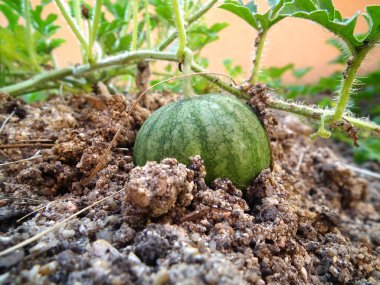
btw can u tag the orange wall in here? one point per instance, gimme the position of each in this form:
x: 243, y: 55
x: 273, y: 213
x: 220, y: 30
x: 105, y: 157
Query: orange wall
x: 291, y: 41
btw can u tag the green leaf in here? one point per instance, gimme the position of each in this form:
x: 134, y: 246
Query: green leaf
x: 368, y: 150
x: 53, y: 44
x: 277, y: 72
x: 373, y: 19
x: 110, y: 27
x: 163, y: 10
x: 124, y: 44
x: 273, y: 3
x: 13, y: 47
x: 117, y: 8
x: 12, y: 17
x: 241, y: 11
x: 45, y: 2
x: 264, y: 20
x: 233, y: 71
x: 301, y: 72
x: 260, y: 22
x: 274, y: 10
x: 323, y: 13
x: 252, y: 7
x: 201, y: 35
x: 328, y: 6
x: 44, y: 26
x: 15, y: 5
x: 35, y: 97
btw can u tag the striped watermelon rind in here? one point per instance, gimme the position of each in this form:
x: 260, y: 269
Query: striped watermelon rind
x: 221, y: 129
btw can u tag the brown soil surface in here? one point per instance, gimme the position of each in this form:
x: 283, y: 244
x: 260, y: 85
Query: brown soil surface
x: 309, y: 220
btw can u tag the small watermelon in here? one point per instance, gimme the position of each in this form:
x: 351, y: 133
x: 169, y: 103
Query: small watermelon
x: 221, y: 129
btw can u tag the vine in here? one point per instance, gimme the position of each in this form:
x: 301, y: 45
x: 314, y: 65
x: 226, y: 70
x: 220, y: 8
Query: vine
x: 135, y: 24
x: 75, y: 29
x: 316, y: 10
x: 184, y: 54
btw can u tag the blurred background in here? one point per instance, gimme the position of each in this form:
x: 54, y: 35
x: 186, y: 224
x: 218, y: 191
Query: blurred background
x: 294, y: 41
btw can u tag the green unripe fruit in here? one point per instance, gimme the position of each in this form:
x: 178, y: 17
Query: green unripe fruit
x: 221, y: 129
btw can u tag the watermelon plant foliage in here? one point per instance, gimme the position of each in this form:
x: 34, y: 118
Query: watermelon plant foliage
x: 114, y: 43
x: 113, y: 36
x: 26, y: 49
x: 324, y: 13
x: 248, y: 12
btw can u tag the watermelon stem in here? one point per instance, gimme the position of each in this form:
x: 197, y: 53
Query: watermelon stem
x: 259, y: 45
x: 78, y: 19
x: 184, y: 54
x: 180, y: 25
x: 188, y: 89
x: 190, y: 20
x: 75, y: 29
x: 95, y: 23
x: 135, y: 24
x: 147, y: 23
x: 295, y: 108
x: 348, y: 81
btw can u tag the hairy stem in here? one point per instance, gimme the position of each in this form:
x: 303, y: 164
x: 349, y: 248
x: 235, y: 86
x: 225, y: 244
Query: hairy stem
x: 29, y: 35
x: 74, y: 28
x: 95, y: 24
x: 316, y: 114
x: 118, y: 60
x: 188, y: 59
x: 135, y: 24
x: 184, y: 54
x: 127, y: 17
x: 185, y: 7
x: 348, y: 79
x: 78, y: 19
x: 147, y: 24
x: 77, y: 13
x: 199, y: 13
x: 180, y: 25
x: 193, y: 18
x: 220, y: 83
x: 259, y: 45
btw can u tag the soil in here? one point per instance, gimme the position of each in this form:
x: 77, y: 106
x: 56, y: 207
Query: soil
x: 308, y: 220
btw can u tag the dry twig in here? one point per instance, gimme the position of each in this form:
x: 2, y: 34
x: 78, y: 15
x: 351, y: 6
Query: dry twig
x: 201, y: 213
x: 6, y: 121
x: 36, y: 155
x: 21, y: 145
x: 359, y: 170
x: 31, y: 213
x: 52, y: 228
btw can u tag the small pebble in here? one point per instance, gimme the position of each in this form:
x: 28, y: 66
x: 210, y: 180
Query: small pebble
x: 12, y: 258
x: 66, y: 234
x: 101, y: 247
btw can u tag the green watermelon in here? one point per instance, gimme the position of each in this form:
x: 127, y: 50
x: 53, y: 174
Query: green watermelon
x: 221, y: 129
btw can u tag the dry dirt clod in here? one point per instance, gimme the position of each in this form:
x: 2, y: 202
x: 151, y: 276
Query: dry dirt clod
x: 158, y: 188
